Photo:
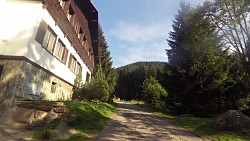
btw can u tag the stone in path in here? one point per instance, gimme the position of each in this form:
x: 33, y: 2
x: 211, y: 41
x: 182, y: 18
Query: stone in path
x: 134, y: 123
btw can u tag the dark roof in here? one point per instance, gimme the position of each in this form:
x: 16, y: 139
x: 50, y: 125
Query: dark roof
x: 89, y: 10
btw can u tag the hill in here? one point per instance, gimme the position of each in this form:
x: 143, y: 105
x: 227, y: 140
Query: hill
x: 132, y: 67
x: 131, y: 76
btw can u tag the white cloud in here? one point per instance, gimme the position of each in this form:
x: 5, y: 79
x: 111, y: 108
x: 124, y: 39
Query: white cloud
x: 156, y: 49
x: 137, y: 42
x: 133, y: 55
x: 153, y: 51
x: 140, y: 33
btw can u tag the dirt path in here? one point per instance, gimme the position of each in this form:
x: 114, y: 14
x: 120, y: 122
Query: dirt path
x: 134, y: 123
x: 14, y: 133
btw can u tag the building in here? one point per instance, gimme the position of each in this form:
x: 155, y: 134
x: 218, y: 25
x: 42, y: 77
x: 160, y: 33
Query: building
x: 44, y: 45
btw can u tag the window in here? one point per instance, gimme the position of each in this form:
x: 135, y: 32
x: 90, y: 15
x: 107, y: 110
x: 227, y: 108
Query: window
x: 59, y: 50
x: 70, y: 61
x: 1, y: 70
x: 79, y: 68
x: 45, y: 36
x: 81, y: 37
x: 35, y: 89
x: 41, y: 32
x: 53, y: 87
x: 49, y: 40
x: 71, y: 15
x: 80, y: 33
x: 74, y: 64
x: 76, y: 26
x: 65, y: 55
x: 64, y: 4
x: 89, y: 52
x: 83, y: 41
x: 73, y: 21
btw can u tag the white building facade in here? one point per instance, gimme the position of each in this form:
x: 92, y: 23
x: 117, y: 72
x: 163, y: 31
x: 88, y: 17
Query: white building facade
x: 44, y: 45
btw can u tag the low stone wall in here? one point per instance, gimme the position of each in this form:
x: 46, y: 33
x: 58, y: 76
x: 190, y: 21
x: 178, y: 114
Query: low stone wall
x: 23, y: 80
x: 31, y: 112
x: 26, y: 81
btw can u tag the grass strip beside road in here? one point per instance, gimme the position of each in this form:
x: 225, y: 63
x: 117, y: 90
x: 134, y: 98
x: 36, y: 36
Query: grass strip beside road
x: 204, y: 127
x: 201, y: 126
x: 88, y: 118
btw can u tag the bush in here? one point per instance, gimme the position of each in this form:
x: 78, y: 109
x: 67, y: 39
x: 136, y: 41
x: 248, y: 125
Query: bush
x: 78, y: 85
x: 97, y: 89
x: 153, y: 93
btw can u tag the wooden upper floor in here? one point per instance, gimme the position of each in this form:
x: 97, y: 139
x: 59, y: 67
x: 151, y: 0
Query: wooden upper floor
x: 78, y: 19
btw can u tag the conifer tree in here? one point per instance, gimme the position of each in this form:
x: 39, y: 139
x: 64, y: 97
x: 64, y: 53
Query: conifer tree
x: 153, y: 92
x: 97, y: 88
x: 197, y: 56
x: 105, y: 61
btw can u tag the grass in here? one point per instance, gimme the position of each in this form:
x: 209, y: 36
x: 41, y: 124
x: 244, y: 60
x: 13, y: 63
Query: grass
x: 88, y: 118
x: 136, y: 102
x: 203, y: 127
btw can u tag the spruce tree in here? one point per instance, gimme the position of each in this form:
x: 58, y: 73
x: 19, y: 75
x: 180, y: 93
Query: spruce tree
x: 97, y: 88
x: 153, y: 92
x: 197, y: 56
x: 105, y: 61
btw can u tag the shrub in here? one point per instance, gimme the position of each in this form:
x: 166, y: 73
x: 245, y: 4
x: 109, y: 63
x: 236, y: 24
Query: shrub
x: 153, y: 92
x: 97, y: 88
x: 78, y: 85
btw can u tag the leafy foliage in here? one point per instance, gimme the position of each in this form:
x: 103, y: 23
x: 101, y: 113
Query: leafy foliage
x: 231, y: 18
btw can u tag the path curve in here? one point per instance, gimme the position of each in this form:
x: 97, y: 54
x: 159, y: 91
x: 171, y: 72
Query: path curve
x: 134, y: 123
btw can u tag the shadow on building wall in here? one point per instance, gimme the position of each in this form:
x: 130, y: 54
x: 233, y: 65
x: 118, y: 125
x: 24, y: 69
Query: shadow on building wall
x: 22, y: 79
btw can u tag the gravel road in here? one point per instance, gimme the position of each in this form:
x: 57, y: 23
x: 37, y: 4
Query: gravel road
x: 134, y: 123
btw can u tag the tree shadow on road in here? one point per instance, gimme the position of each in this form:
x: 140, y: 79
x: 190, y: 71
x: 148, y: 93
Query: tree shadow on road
x: 135, y: 123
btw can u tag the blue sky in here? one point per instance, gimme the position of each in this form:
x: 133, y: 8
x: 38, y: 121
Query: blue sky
x: 136, y: 30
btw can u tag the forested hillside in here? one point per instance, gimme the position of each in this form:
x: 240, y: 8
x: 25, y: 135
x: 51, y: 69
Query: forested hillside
x: 207, y: 71
x: 131, y: 77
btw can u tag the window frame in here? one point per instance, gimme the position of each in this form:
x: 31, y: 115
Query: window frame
x: 50, y: 42
x: 53, y: 87
x: 41, y: 31
x: 59, y: 50
x: 65, y: 56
